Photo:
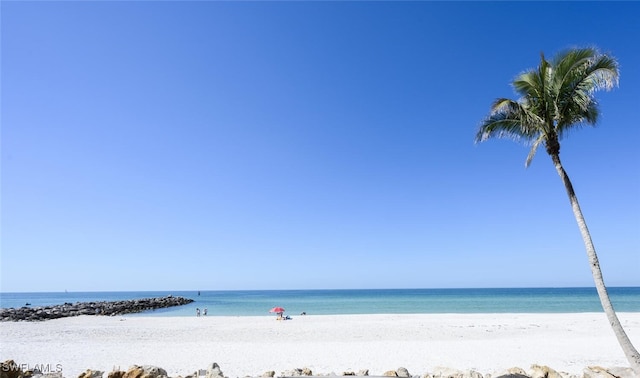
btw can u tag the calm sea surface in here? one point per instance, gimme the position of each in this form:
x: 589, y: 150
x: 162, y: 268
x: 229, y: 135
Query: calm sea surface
x: 370, y: 301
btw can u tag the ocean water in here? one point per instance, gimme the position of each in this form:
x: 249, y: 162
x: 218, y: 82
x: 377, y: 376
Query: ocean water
x: 366, y: 301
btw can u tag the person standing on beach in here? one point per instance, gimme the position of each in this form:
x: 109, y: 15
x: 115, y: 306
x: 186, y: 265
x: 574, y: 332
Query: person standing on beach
x: 198, y: 311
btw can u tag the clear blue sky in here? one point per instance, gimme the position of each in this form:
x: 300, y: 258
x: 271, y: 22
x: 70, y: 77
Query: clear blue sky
x: 297, y: 145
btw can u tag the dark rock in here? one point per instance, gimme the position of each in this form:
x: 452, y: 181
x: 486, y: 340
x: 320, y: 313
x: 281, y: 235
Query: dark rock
x: 91, y: 374
x: 116, y: 374
x: 134, y: 372
x: 514, y: 372
x: 214, y: 371
x: 9, y: 369
x: 297, y: 373
x: 153, y: 371
x: 146, y: 371
x: 90, y: 308
x: 541, y: 371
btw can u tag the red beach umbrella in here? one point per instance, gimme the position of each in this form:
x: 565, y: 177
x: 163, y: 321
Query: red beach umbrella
x: 277, y: 310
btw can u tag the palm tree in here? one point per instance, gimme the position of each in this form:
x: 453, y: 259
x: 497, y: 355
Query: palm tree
x: 556, y: 97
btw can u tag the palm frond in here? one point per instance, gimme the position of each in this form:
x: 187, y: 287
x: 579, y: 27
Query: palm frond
x: 603, y: 73
x: 583, y: 73
x: 555, y: 97
x: 568, y: 61
x: 528, y: 84
x: 533, y: 150
x: 508, y: 119
x: 578, y: 120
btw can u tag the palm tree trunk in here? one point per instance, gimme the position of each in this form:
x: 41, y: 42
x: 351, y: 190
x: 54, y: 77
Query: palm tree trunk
x: 630, y: 352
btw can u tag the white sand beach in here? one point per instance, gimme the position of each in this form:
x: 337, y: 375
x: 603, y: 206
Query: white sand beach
x: 487, y: 343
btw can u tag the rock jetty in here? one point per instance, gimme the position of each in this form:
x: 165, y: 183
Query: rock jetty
x: 90, y: 308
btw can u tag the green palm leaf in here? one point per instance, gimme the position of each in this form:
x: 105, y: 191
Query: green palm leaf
x: 556, y: 97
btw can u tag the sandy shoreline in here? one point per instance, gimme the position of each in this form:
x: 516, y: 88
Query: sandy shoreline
x: 488, y: 343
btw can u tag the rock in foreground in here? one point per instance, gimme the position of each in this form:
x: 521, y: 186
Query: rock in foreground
x: 9, y: 369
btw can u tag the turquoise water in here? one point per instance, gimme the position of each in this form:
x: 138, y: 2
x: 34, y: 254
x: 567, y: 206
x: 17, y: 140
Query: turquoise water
x: 370, y: 301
